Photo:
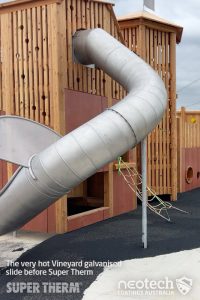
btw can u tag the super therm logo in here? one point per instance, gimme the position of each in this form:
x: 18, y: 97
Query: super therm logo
x: 43, y: 287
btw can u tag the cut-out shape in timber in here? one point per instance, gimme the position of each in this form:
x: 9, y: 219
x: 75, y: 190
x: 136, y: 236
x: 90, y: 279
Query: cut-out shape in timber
x: 189, y: 174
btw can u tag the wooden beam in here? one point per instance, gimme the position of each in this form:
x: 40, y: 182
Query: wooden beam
x: 122, y: 167
x: 8, y: 7
x: 173, y: 115
x: 181, y: 146
x: 58, y: 84
x: 179, y: 156
x: 7, y: 63
x: 7, y: 71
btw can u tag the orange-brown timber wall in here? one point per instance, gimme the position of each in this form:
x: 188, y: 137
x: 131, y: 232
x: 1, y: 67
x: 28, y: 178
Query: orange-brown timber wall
x: 40, y: 81
x: 188, y: 149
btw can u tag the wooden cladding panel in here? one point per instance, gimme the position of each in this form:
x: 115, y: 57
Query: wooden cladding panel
x: 28, y: 69
x: 159, y: 141
x: 32, y: 47
x: 31, y: 37
x: 192, y: 134
x: 85, y: 15
x: 29, y: 74
x: 189, y: 129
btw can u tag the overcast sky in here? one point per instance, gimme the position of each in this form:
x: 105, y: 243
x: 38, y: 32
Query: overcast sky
x: 187, y: 14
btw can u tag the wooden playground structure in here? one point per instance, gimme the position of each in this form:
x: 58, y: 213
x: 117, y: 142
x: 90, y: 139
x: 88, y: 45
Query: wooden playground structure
x: 39, y: 80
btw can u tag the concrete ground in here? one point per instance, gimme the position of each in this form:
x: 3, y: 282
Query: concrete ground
x: 13, y: 245
x: 113, y: 240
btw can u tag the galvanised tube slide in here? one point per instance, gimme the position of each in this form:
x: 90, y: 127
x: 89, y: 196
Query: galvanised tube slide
x: 79, y: 154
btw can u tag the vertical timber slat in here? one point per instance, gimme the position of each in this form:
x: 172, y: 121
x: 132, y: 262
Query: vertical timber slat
x: 173, y: 115
x: 59, y: 82
x: 7, y: 70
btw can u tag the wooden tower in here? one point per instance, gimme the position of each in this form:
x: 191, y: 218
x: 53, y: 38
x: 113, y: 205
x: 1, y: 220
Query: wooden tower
x: 154, y: 39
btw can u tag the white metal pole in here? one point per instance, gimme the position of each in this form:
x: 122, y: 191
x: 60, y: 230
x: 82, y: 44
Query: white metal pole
x: 144, y: 191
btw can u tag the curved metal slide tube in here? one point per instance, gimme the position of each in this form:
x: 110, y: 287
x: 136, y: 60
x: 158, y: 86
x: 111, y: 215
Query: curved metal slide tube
x: 79, y: 154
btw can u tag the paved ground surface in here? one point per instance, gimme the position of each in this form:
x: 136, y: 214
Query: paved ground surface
x: 13, y: 245
x: 112, y: 240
